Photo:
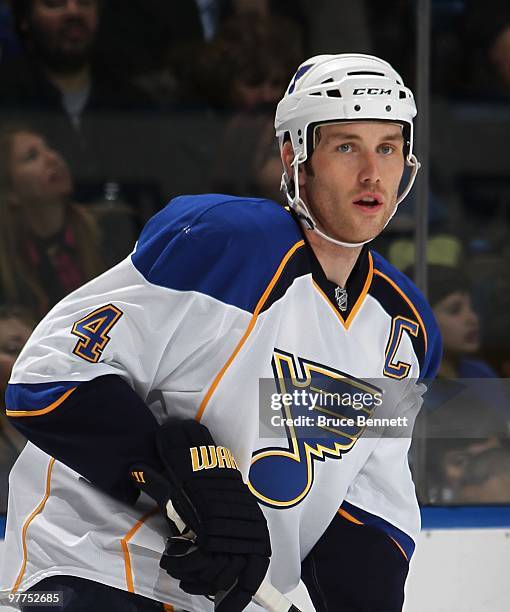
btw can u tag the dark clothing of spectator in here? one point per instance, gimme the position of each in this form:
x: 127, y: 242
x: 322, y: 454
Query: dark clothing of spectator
x: 56, y: 264
x: 9, y: 43
x: 95, y: 130
x: 56, y: 261
x: 27, y: 91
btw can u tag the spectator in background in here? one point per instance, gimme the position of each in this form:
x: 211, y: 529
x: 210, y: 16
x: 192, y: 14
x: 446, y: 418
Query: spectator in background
x: 245, y: 68
x: 243, y: 73
x: 61, y: 86
x: 155, y: 43
x: 16, y: 325
x: 487, y: 45
x: 499, y: 54
x: 49, y: 245
x: 449, y: 464
x: 326, y: 26
x: 59, y: 70
x: 449, y: 296
x: 486, y: 478
x: 248, y: 159
x: 462, y: 418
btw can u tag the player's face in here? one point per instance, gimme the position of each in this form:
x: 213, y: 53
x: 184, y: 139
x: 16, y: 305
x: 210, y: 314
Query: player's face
x: 64, y: 30
x: 351, y: 182
x: 458, y: 323
x: 38, y: 174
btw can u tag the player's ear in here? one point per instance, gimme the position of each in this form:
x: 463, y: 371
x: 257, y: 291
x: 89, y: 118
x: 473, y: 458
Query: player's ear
x: 287, y: 158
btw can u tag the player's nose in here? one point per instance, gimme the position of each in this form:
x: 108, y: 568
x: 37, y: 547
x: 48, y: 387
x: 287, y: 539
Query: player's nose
x: 369, y: 169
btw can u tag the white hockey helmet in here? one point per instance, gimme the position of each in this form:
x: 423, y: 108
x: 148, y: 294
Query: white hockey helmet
x: 335, y: 88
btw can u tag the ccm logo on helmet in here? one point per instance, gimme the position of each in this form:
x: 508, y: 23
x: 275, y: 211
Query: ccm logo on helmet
x: 371, y: 91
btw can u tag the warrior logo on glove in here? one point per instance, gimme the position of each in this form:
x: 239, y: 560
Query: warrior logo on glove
x: 209, y: 457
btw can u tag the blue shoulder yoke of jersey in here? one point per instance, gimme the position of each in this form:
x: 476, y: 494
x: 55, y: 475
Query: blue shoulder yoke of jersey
x: 432, y: 358
x: 226, y: 247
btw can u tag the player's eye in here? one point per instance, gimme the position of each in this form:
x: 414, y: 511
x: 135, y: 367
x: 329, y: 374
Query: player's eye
x: 386, y: 149
x: 344, y: 148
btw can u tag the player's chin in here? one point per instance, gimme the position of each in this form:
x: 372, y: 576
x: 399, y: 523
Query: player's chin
x: 367, y: 230
x: 357, y: 237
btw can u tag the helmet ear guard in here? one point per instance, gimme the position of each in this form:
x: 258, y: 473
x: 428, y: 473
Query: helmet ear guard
x: 334, y: 89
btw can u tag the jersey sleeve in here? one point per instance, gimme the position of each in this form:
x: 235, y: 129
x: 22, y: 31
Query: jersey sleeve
x: 80, y: 386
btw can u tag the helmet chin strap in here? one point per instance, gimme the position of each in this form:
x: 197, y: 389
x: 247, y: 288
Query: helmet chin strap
x: 301, y: 209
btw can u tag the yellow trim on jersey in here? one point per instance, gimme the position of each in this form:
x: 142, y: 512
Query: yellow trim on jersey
x: 349, y: 517
x: 30, y: 413
x: 125, y: 549
x: 249, y: 329
x: 352, y: 519
x: 411, y: 305
x: 38, y: 509
x: 368, y: 281
x: 400, y: 548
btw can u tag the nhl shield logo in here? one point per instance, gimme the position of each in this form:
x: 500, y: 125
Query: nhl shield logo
x: 341, y: 298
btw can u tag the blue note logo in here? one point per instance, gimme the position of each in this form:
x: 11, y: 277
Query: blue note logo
x: 282, y: 477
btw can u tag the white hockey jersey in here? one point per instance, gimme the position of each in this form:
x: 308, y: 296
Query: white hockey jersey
x: 220, y: 294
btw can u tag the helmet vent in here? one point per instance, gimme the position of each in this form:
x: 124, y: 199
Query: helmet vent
x: 315, y: 93
x: 330, y: 80
x: 402, y: 94
x: 334, y: 93
x: 365, y: 73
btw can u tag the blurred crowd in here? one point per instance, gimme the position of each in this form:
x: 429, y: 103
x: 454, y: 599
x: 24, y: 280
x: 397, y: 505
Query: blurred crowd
x: 110, y: 108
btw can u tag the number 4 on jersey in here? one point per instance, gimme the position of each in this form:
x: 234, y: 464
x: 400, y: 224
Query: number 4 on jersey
x: 92, y: 332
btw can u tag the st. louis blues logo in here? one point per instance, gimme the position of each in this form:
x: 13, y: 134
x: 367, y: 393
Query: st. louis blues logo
x: 282, y: 477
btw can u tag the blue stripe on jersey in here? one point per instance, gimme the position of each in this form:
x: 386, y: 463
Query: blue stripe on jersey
x: 433, y: 355
x: 226, y: 247
x: 405, y: 541
x: 99, y: 430
x: 34, y: 397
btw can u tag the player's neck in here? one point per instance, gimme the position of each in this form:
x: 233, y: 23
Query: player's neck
x: 336, y: 261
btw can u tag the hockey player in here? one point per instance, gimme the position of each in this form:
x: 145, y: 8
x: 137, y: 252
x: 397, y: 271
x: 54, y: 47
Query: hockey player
x: 148, y: 378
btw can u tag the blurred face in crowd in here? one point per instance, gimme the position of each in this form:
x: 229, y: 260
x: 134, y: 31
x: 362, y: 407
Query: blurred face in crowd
x: 38, y: 174
x: 455, y: 460
x: 249, y: 95
x: 63, y: 31
x: 458, y: 324
x: 495, y: 490
x: 351, y: 180
x: 13, y: 335
x: 500, y: 54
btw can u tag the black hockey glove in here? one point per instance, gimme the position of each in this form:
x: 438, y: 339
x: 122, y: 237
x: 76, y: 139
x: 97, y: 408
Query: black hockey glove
x: 220, y: 540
